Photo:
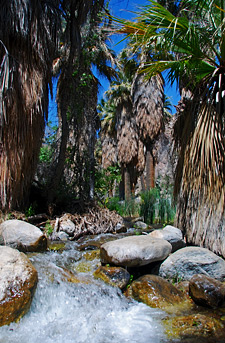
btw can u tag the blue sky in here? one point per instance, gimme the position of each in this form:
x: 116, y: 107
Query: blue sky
x: 126, y: 9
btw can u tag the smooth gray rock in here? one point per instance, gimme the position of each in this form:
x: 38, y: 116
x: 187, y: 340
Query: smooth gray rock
x: 134, y: 251
x: 186, y: 262
x: 66, y: 225
x: 63, y: 236
x: 140, y: 225
x: 171, y: 234
x: 18, y: 280
x: 22, y: 236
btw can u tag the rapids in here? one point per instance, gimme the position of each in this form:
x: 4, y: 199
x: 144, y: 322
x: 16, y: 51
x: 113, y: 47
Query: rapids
x: 82, y: 312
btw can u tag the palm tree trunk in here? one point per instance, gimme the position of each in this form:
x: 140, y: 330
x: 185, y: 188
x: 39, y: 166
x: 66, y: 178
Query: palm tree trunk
x: 150, y: 170
x: 143, y: 184
x: 59, y: 168
x: 127, y: 185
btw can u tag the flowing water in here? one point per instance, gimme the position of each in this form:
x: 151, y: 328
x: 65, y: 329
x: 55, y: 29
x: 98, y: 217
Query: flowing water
x: 81, y: 312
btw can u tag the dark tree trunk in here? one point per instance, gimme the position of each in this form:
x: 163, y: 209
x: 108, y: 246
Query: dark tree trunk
x: 150, y: 170
x: 127, y: 184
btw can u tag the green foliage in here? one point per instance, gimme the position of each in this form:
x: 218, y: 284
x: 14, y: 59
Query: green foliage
x: 31, y: 210
x: 106, y: 180
x: 123, y: 208
x: 148, y: 205
x: 176, y: 279
x: 130, y: 207
x: 48, y: 228
x: 45, y: 154
x: 130, y: 281
x: 47, y: 149
x: 156, y: 204
x: 156, y: 207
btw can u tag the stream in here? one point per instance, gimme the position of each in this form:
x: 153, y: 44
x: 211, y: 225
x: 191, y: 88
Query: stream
x: 71, y: 306
x: 85, y: 310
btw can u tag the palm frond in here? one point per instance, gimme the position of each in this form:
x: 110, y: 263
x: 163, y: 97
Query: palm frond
x: 206, y: 153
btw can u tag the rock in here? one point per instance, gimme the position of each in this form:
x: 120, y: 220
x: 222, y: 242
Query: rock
x: 115, y: 276
x: 119, y: 228
x: 62, y: 236
x: 92, y: 255
x: 140, y: 225
x: 134, y: 251
x: 56, y: 245
x: 171, y: 234
x: 22, y: 236
x: 156, y: 292
x: 193, y: 326
x: 186, y: 262
x: 207, y: 291
x: 17, y: 284
x: 66, y: 225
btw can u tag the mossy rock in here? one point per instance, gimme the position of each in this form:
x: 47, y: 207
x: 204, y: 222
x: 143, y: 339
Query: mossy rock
x: 17, y: 285
x: 67, y: 275
x: 114, y: 276
x: 56, y: 246
x: 92, y: 255
x: 195, y: 325
x: 157, y: 292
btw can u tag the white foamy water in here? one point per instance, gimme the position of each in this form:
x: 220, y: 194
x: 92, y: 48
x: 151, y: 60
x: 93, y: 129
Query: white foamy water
x: 64, y: 312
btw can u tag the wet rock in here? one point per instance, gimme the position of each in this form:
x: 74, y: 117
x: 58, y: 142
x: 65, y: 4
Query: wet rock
x: 17, y: 284
x: 93, y: 244
x: 92, y: 255
x: 158, y: 293
x: 171, y: 234
x: 183, y: 286
x: 189, y: 261
x: 134, y: 251
x: 56, y: 245
x: 22, y: 236
x: 207, y: 291
x: 68, y: 276
x: 193, y: 326
x: 115, y: 276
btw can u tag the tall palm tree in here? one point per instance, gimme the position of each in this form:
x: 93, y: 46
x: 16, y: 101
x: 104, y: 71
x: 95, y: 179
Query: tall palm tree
x: 28, y: 45
x: 123, y: 128
x: 77, y: 102
x: 191, y: 45
x: 148, y: 96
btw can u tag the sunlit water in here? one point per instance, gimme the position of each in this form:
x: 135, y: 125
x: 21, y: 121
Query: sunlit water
x: 65, y: 312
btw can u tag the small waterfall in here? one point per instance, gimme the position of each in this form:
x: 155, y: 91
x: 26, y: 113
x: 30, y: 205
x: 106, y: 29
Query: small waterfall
x: 89, y: 312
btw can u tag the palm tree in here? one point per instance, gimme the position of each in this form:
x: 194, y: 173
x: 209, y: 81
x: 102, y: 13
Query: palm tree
x: 191, y: 46
x: 77, y: 101
x: 28, y: 45
x: 148, y: 97
x: 122, y: 129
x: 107, y: 113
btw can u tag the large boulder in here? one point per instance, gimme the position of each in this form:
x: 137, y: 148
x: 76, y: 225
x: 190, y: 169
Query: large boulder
x: 22, y: 236
x: 18, y: 280
x: 134, y: 251
x: 186, y: 262
x: 171, y: 234
x: 207, y: 291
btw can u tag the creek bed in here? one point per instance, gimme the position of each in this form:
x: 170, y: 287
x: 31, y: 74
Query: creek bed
x: 70, y: 306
